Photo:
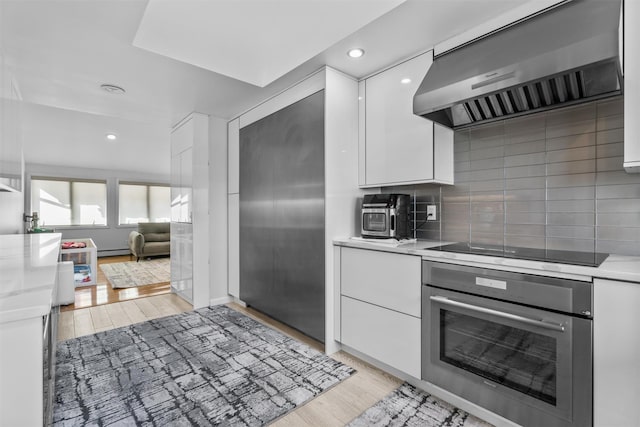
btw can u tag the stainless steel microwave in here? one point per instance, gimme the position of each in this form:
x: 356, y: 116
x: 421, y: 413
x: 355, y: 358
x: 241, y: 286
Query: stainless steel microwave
x: 385, y: 216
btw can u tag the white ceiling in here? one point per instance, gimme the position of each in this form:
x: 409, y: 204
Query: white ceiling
x: 255, y: 41
x: 62, y: 50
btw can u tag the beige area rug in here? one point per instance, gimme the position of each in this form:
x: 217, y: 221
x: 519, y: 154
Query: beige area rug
x: 131, y: 274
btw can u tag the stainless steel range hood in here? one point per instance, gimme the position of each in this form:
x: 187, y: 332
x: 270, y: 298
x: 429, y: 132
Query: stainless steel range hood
x: 564, y: 56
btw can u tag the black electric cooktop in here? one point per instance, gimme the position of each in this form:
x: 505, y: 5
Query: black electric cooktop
x: 588, y: 259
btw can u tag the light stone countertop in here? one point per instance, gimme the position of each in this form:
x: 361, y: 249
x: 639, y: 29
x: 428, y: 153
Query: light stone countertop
x: 615, y: 267
x: 28, y: 274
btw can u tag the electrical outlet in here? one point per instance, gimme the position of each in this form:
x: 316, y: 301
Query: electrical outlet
x: 431, y: 213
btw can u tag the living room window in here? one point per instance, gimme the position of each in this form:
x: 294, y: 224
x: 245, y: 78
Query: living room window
x: 143, y: 203
x: 62, y: 201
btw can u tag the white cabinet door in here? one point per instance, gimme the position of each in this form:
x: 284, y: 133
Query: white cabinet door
x: 176, y: 191
x: 186, y: 185
x: 399, y: 144
x: 631, y: 86
x: 234, y: 245
x: 389, y: 280
x: 616, y: 352
x: 233, y: 138
x: 386, y: 335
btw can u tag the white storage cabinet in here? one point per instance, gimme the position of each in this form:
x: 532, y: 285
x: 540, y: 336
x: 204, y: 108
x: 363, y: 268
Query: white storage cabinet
x: 631, y: 86
x: 189, y: 214
x: 380, y: 306
x: 396, y: 146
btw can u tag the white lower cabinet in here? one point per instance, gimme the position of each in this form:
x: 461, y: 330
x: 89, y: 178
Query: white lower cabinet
x: 616, y: 353
x: 380, y: 306
x: 234, y: 245
x: 386, y: 335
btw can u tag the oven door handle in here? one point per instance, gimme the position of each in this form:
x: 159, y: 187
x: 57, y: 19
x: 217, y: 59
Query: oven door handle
x: 515, y: 317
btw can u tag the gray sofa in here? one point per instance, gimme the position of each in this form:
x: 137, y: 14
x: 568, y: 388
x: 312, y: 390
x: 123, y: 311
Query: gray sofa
x: 151, y: 239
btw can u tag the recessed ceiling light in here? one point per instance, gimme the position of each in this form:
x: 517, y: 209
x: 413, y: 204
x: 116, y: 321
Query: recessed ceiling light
x: 405, y: 81
x: 111, y: 136
x: 116, y: 90
x: 356, y: 52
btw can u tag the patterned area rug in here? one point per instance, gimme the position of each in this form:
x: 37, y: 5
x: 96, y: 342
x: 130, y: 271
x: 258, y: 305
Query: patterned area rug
x: 205, y: 367
x: 131, y: 274
x: 408, y: 406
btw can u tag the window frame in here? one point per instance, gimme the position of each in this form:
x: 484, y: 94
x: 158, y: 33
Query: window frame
x: 141, y: 183
x: 70, y: 181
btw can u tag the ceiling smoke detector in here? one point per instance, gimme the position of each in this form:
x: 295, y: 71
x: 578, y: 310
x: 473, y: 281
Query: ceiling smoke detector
x: 117, y: 90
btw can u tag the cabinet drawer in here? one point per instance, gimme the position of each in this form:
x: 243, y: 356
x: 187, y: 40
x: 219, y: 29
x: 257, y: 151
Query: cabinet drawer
x: 386, y: 335
x: 382, y: 278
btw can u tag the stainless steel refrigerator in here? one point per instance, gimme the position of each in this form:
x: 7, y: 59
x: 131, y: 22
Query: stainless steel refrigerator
x: 282, y: 219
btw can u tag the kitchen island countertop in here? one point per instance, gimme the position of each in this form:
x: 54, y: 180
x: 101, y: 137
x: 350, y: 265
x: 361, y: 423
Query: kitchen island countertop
x: 615, y: 267
x: 28, y: 272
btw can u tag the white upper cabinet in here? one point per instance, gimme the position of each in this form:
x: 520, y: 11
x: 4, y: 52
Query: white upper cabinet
x: 233, y: 135
x: 182, y: 140
x: 11, y: 162
x: 631, y: 86
x: 396, y: 146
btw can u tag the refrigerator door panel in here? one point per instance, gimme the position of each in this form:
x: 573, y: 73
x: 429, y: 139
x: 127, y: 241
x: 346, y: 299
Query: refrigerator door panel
x: 282, y: 215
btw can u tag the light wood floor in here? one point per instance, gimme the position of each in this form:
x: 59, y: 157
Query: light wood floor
x: 335, y: 407
x: 103, y: 292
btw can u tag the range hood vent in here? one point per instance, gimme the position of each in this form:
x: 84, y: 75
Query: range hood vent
x: 561, y: 57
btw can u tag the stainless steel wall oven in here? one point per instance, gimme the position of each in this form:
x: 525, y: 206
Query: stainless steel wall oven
x: 516, y: 344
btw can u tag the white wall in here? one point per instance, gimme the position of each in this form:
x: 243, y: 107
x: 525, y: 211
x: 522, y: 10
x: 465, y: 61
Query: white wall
x: 218, y: 209
x: 54, y: 136
x: 11, y: 209
x: 111, y: 239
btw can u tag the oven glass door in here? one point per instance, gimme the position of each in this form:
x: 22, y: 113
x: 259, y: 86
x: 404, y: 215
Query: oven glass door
x: 479, y: 346
x: 375, y: 222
